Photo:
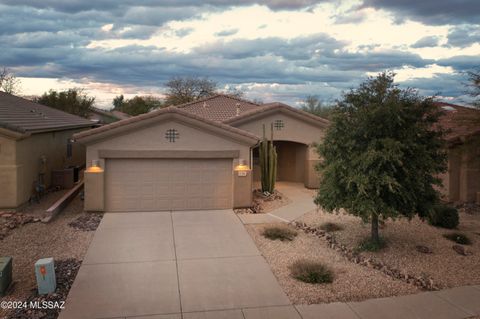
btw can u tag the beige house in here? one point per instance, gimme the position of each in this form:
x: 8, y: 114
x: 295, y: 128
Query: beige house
x: 462, y: 180
x: 34, y: 139
x: 200, y: 155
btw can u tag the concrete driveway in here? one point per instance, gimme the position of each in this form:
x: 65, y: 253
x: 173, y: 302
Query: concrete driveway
x: 188, y: 264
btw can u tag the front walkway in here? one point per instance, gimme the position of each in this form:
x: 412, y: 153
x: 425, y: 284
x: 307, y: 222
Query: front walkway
x: 165, y: 264
x: 301, y: 203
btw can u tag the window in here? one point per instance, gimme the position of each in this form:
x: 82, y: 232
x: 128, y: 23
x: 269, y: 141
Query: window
x: 69, y: 148
x: 172, y: 135
x: 278, y: 125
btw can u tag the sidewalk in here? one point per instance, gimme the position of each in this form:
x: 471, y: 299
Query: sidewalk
x: 455, y: 303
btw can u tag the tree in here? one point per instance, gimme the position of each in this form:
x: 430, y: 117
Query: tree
x: 474, y: 79
x: 312, y: 104
x: 182, y: 90
x: 73, y: 101
x: 9, y: 83
x: 136, y: 105
x: 382, y: 154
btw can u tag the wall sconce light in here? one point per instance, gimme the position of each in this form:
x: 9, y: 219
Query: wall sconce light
x: 242, y: 168
x: 95, y: 167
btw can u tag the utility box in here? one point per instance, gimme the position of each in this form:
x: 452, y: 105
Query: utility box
x: 45, y: 274
x: 63, y: 178
x: 5, y: 274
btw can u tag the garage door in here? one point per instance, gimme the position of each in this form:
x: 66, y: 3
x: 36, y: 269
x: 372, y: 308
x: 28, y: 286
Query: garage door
x: 168, y: 184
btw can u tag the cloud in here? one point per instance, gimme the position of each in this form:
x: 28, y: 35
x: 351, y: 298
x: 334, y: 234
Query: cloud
x: 433, y: 12
x: 425, y: 42
x: 464, y: 36
x: 75, y: 6
x: 226, y: 33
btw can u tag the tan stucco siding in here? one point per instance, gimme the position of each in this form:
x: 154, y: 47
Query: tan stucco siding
x: 294, y: 130
x: 8, y: 173
x: 461, y: 182
x: 20, y: 165
x: 190, y: 139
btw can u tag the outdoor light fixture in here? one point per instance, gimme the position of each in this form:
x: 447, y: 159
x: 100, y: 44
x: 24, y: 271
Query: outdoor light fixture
x: 95, y: 167
x: 242, y: 168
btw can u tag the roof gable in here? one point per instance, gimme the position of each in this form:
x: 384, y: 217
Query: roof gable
x: 460, y: 122
x: 24, y: 116
x: 270, y: 108
x: 148, y: 119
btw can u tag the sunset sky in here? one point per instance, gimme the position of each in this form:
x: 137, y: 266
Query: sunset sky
x: 275, y: 50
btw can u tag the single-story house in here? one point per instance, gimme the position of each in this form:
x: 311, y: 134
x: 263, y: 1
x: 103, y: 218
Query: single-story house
x: 462, y: 180
x: 200, y: 155
x: 34, y: 139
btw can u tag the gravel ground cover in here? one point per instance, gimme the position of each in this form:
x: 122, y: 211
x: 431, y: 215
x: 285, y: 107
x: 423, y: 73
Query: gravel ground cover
x: 352, y: 282
x: 66, y: 270
x: 33, y: 241
x: 446, y: 266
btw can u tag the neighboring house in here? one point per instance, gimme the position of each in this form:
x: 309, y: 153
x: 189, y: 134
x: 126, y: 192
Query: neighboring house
x: 194, y: 156
x: 462, y: 180
x: 101, y: 117
x: 34, y: 139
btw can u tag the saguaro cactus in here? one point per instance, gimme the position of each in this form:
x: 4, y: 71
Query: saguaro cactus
x: 268, y: 162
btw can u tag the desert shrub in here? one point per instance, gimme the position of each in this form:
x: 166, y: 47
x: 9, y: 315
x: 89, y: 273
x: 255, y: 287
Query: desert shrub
x: 444, y: 216
x: 370, y: 245
x: 311, y: 272
x: 330, y: 227
x: 459, y: 238
x: 279, y: 232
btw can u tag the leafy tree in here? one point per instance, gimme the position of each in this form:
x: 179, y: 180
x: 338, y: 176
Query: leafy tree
x: 118, y: 102
x: 136, y: 105
x: 187, y: 89
x: 73, y: 101
x: 474, y: 79
x: 312, y: 104
x: 381, y: 154
x: 9, y: 83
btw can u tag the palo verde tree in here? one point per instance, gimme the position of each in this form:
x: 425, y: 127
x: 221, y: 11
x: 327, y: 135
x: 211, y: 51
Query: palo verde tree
x: 381, y: 154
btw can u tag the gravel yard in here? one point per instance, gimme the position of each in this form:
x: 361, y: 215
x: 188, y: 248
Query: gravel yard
x: 33, y: 241
x: 445, y: 266
x: 352, y: 282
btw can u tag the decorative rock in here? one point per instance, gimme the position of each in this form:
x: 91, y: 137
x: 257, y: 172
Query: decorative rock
x: 461, y: 250
x: 423, y: 249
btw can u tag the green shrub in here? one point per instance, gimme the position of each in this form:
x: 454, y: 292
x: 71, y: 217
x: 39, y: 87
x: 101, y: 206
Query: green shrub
x: 311, y: 272
x: 459, y: 238
x: 279, y: 232
x: 370, y: 245
x: 330, y: 227
x: 444, y: 216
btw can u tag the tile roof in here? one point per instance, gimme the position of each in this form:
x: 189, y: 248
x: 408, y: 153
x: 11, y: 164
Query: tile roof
x: 24, y: 116
x: 219, y: 107
x: 277, y: 105
x: 460, y: 121
x: 160, y: 112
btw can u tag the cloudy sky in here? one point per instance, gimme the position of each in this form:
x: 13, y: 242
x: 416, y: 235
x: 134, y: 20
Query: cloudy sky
x: 275, y: 50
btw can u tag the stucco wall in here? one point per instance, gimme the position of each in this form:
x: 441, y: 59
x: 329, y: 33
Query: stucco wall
x: 190, y: 139
x: 8, y: 173
x: 21, y: 162
x: 294, y: 130
x: 462, y: 180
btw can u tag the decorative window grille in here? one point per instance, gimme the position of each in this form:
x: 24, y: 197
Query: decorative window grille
x: 278, y: 125
x: 172, y: 135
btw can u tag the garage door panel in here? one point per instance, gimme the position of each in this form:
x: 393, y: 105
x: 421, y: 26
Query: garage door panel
x: 168, y: 184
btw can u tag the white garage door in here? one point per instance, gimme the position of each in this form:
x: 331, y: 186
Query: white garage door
x: 168, y: 184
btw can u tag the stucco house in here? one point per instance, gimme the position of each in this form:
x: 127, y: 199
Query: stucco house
x: 462, y: 180
x: 34, y: 139
x: 200, y: 155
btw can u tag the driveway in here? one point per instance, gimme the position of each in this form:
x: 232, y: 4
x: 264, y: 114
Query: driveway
x: 188, y: 264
